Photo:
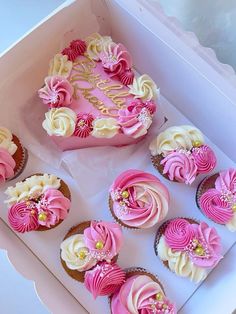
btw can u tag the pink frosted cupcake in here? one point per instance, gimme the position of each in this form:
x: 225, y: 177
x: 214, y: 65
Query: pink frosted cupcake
x: 138, y: 199
x: 89, y: 244
x: 104, y: 279
x: 179, y: 154
x: 13, y: 156
x: 40, y: 202
x: 141, y: 293
x: 188, y: 248
x: 216, y: 197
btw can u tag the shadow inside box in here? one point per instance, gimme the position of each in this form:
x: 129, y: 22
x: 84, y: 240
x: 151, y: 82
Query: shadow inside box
x: 37, y: 138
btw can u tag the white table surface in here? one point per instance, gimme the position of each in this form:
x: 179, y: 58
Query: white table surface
x: 16, y: 17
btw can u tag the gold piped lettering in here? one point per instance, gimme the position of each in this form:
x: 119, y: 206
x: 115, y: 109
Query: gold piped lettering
x: 84, y: 73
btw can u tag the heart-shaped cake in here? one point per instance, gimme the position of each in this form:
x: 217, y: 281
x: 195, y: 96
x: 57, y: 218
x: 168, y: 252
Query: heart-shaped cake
x: 94, y: 97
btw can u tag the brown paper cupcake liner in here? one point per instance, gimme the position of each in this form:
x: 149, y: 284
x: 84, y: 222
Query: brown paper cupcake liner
x: 206, y: 184
x: 120, y: 223
x: 20, y: 157
x: 64, y: 189
x: 75, y: 274
x: 161, y: 231
x: 156, y: 161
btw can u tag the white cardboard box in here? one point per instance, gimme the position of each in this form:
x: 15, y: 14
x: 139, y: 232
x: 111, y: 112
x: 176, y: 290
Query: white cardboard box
x: 192, y: 82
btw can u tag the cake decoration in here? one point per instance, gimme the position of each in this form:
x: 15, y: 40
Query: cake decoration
x: 188, y: 248
x: 216, y: 197
x: 179, y: 154
x: 13, y: 156
x: 138, y: 199
x: 141, y: 293
x: 104, y: 279
x: 88, y: 244
x: 40, y: 202
x: 95, y: 77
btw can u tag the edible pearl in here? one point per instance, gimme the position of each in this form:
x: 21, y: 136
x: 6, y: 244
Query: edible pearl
x: 234, y: 207
x: 82, y: 254
x: 42, y: 216
x: 99, y: 245
x: 125, y: 194
x: 199, y: 251
x: 164, y: 306
x: 196, y: 143
x: 159, y: 296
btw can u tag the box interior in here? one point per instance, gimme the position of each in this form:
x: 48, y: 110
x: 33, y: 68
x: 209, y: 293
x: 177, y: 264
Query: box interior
x: 188, y: 84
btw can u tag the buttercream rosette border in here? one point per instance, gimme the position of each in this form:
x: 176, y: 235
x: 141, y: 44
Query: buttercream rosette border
x: 57, y: 93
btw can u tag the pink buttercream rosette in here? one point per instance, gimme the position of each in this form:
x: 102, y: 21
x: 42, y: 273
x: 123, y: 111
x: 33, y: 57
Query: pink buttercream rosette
x: 218, y: 201
x: 138, y: 199
x: 57, y: 92
x: 199, y: 241
x: 136, y: 119
x: 141, y: 293
x: 184, y: 165
x: 7, y: 165
x: 116, y: 60
x: 103, y: 239
x: 41, y: 213
x: 104, y: 279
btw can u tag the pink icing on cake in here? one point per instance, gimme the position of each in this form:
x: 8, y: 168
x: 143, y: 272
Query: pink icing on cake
x: 71, y: 53
x: 116, y: 59
x: 7, y: 165
x: 23, y: 217
x: 140, y: 294
x: 104, y: 279
x: 104, y: 239
x: 127, y: 77
x: 54, y: 206
x: 205, y: 158
x: 79, y: 46
x: 199, y: 241
x: 180, y: 166
x: 135, y: 120
x: 100, y: 88
x: 139, y: 199
x: 214, y: 207
x: 57, y: 92
x: 84, y: 125
x: 178, y: 234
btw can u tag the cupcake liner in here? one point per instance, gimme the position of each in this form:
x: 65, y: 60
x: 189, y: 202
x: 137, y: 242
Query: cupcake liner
x: 156, y: 161
x: 120, y: 223
x: 79, y: 229
x: 206, y: 184
x: 20, y: 157
x: 161, y: 231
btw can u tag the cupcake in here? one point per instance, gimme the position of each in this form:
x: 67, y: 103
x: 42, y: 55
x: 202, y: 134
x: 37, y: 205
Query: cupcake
x: 179, y: 154
x: 13, y: 156
x: 188, y: 248
x: 40, y: 202
x: 141, y: 293
x: 138, y: 200
x: 88, y: 244
x: 104, y: 279
x: 216, y: 198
